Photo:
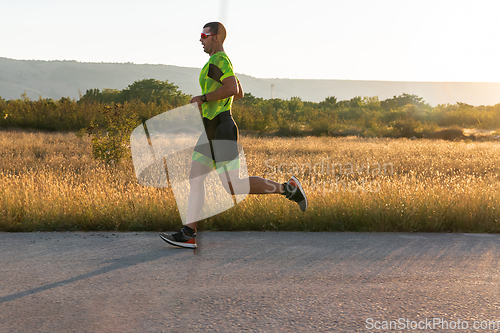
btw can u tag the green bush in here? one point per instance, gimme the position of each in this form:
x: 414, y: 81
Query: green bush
x: 111, y: 143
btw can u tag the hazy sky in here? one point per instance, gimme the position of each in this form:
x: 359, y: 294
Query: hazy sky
x: 396, y: 40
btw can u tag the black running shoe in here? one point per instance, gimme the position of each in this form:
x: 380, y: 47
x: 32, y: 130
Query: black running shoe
x: 180, y: 239
x: 295, y: 192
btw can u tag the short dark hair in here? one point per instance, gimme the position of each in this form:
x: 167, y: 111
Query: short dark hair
x: 217, y: 28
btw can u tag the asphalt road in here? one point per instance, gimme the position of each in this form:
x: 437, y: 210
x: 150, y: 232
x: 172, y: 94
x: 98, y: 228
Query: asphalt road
x: 248, y: 281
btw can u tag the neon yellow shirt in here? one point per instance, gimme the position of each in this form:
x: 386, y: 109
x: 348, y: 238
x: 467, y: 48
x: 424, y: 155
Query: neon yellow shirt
x: 216, y: 69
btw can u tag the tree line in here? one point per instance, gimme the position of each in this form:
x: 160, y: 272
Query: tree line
x: 400, y: 116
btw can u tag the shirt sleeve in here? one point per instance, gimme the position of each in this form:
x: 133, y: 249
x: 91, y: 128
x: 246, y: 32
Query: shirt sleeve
x: 225, y: 66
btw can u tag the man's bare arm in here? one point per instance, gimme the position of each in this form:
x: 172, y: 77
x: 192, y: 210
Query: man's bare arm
x: 230, y: 87
x: 240, y: 94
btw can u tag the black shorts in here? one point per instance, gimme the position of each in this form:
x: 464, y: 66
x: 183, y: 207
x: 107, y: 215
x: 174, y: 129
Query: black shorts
x: 221, y: 150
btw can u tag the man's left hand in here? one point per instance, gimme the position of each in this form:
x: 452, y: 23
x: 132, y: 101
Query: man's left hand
x: 197, y: 99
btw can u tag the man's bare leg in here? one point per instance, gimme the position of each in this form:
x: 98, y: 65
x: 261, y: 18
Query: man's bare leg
x: 186, y: 237
x: 196, y: 198
x: 249, y: 185
x: 256, y: 185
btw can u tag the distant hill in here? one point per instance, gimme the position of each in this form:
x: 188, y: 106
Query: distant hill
x: 56, y: 79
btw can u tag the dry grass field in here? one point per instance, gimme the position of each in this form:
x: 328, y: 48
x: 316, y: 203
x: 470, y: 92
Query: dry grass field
x: 49, y: 181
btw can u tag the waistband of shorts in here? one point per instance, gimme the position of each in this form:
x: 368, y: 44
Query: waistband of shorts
x: 225, y: 115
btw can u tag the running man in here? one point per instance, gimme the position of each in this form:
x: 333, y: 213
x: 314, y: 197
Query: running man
x: 219, y: 88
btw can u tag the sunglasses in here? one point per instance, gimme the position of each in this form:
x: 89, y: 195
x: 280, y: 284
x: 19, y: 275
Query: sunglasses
x: 204, y: 35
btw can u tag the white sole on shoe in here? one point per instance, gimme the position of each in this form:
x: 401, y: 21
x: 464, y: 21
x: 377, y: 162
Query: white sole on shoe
x: 303, y: 204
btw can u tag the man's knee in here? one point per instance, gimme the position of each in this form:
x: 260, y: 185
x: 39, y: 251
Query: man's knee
x: 197, y: 181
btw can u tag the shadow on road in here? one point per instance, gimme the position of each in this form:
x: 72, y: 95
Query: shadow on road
x: 120, y: 263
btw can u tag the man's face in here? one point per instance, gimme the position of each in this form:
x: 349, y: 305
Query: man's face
x: 209, y: 42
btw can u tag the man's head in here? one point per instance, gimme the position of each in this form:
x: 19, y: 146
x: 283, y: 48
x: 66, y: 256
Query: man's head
x: 213, y: 37
x: 218, y: 29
